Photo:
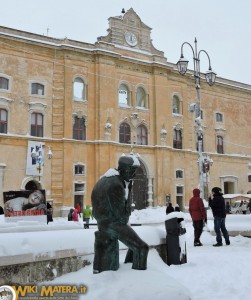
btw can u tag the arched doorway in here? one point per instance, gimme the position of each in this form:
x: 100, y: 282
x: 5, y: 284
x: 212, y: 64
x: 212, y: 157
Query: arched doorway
x: 139, y: 192
x: 29, y: 183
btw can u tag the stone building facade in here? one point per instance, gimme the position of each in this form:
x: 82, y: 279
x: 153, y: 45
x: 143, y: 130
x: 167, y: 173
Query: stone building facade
x: 90, y: 103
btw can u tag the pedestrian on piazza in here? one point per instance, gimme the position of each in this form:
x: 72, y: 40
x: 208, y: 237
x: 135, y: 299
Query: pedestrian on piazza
x: 217, y: 204
x: 198, y: 215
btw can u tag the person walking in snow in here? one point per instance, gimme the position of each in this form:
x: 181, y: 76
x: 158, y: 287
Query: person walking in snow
x: 87, y: 214
x: 169, y: 208
x: 198, y: 215
x: 217, y: 204
x: 249, y: 205
x: 244, y: 207
x: 70, y: 214
x: 75, y: 215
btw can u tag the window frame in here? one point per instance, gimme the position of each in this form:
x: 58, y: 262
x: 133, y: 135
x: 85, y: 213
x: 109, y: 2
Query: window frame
x: 182, y: 173
x: 35, y: 87
x: 3, y: 123
x: 176, y: 100
x: 219, y: 117
x: 145, y: 98
x: 124, y: 133
x: 36, y: 127
x: 177, y: 143
x: 77, y: 130
x: 79, y: 165
x: 220, y: 145
x: 1, y: 83
x: 84, y: 90
x: 128, y: 104
x: 142, y: 135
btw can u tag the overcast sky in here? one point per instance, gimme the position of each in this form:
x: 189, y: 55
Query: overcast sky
x: 222, y: 27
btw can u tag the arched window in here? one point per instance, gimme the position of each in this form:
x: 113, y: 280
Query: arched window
x: 79, y: 89
x: 37, y: 124
x: 3, y: 120
x: 141, y: 98
x: 79, y: 129
x: 124, y: 95
x: 219, y: 117
x: 177, y: 107
x: 124, y: 133
x: 4, y: 83
x: 177, y: 139
x: 37, y: 89
x: 220, y: 148
x: 142, y: 135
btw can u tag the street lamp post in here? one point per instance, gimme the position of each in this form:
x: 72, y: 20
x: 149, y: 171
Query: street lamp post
x: 210, y: 77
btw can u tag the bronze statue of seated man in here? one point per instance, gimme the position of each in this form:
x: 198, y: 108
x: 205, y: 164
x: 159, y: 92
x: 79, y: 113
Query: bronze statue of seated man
x: 111, y: 210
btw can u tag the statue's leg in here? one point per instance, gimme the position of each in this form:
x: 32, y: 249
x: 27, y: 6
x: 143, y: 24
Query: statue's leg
x: 129, y: 256
x: 106, y: 248
x: 136, y: 245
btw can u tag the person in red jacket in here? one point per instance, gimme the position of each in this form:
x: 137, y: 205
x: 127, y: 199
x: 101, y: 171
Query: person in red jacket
x: 75, y: 215
x: 198, y: 215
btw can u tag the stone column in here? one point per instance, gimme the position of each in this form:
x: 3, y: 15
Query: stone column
x: 150, y: 191
x: 2, y: 167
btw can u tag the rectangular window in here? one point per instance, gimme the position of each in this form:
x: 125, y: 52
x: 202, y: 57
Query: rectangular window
x: 179, y: 190
x: 4, y: 83
x: 3, y: 120
x: 179, y: 173
x: 79, y: 169
x: 249, y: 178
x: 79, y: 187
x: 220, y: 148
x: 177, y: 139
x: 179, y: 196
x: 37, y: 125
x: 79, y: 129
x: 37, y: 89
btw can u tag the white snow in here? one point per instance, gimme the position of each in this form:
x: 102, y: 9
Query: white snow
x: 211, y: 273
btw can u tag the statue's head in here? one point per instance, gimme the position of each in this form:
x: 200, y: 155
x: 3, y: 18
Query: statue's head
x: 127, y: 166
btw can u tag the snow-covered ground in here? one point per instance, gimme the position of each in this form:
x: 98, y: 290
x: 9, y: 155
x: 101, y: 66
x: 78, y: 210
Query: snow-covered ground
x: 215, y: 273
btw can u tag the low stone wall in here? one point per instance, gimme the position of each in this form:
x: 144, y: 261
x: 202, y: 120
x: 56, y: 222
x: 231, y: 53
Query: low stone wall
x: 45, y: 268
x: 35, y: 272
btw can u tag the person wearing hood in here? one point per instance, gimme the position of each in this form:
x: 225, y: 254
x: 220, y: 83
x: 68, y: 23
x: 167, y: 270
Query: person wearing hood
x: 70, y: 214
x: 87, y: 214
x: 198, y: 215
x: 217, y: 204
x: 75, y: 215
x: 169, y: 208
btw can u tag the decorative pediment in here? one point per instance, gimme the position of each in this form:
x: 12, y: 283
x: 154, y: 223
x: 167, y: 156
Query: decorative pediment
x: 37, y: 106
x: 128, y: 30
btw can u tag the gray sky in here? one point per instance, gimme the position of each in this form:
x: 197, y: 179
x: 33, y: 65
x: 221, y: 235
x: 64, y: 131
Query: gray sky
x: 222, y: 27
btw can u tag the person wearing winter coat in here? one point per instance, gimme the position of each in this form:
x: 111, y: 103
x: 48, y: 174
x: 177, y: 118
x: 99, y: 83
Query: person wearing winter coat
x: 198, y: 215
x: 169, y: 208
x: 87, y: 214
x: 249, y: 205
x: 244, y: 207
x: 75, y: 215
x: 217, y: 204
x: 70, y: 214
x: 228, y: 208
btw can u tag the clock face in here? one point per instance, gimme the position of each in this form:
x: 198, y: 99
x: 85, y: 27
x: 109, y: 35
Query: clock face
x: 131, y: 39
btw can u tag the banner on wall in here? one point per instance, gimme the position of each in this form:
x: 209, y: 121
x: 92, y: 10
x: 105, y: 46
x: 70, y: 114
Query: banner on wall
x: 25, y: 205
x: 35, y: 158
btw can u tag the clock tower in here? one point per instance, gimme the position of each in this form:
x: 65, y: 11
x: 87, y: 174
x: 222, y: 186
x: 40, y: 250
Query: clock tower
x: 129, y: 31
